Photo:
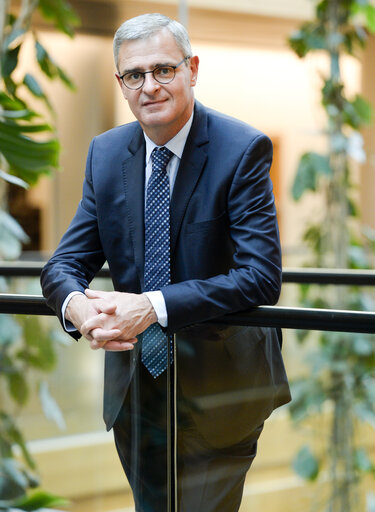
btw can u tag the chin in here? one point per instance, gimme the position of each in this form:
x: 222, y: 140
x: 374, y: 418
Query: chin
x: 157, y: 118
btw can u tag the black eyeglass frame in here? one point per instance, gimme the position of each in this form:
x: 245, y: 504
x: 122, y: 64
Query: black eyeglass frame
x: 144, y: 73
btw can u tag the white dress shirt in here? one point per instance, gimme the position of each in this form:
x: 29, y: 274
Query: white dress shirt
x: 176, y: 145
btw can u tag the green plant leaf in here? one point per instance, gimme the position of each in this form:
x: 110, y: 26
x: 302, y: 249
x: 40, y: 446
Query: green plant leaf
x: 301, y: 335
x: 9, y: 490
x: 33, y: 85
x: 14, y: 437
x: 308, y: 398
x: 9, y: 61
x: 49, y: 67
x: 365, y: 13
x: 15, y: 109
x: 30, y: 128
x: 306, y: 465
x: 311, y: 167
x: 61, y: 14
x: 39, y: 350
x: 309, y: 37
x: 333, y: 96
x: 64, y: 78
x: 27, y: 158
x: 357, y: 112
x: 9, y: 103
x: 362, y: 461
x: 18, y: 387
x: 12, y: 469
x: 40, y: 500
x: 314, y: 237
x: 13, y: 36
x: 36, y: 90
x: 24, y: 115
x: 44, y: 60
x: 50, y: 407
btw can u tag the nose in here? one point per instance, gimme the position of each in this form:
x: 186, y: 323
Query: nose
x: 150, y: 85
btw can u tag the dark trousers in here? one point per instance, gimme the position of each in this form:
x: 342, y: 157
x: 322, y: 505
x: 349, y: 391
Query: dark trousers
x: 208, y: 479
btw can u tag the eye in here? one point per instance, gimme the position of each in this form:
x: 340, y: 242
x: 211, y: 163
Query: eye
x: 164, y: 72
x: 133, y: 77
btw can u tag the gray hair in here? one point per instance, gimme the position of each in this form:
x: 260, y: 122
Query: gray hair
x: 145, y: 26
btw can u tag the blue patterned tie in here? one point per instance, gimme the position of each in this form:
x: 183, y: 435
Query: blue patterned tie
x: 157, y: 255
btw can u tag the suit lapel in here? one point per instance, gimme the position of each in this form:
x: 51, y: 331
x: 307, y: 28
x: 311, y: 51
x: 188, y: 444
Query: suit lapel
x: 133, y: 169
x: 191, y: 166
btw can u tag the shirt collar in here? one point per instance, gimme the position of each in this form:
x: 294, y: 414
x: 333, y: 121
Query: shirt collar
x: 176, y: 144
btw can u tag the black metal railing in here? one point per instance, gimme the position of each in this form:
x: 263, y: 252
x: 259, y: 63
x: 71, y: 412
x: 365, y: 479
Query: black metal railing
x: 270, y: 316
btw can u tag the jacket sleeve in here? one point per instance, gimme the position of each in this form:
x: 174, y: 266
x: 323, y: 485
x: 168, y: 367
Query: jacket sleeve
x: 255, y: 277
x: 79, y: 255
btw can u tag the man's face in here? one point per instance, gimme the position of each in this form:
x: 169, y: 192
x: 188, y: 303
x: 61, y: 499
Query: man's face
x: 161, y: 109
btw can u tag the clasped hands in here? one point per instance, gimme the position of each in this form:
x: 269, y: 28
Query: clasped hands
x: 110, y: 320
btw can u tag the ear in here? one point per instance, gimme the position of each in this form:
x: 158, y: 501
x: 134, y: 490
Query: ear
x: 194, y: 64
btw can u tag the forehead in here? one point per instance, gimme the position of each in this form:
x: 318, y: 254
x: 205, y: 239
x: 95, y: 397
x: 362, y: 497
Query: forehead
x: 142, y: 53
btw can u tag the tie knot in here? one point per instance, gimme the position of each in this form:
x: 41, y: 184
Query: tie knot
x: 160, y: 158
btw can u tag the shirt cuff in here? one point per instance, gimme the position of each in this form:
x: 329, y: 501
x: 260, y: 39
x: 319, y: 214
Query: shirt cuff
x: 158, y: 303
x: 68, y: 326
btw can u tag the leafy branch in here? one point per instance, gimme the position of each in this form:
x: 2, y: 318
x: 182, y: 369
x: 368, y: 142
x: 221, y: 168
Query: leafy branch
x: 29, y: 148
x: 342, y: 366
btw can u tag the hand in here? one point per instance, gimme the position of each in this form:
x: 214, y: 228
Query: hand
x: 121, y: 317
x: 80, y: 309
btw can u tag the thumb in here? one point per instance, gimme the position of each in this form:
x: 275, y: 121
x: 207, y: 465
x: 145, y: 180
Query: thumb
x: 95, y: 294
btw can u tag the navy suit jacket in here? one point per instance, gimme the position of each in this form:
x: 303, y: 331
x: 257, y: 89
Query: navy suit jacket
x: 225, y: 257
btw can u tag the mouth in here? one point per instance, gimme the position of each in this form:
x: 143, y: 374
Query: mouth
x: 153, y: 103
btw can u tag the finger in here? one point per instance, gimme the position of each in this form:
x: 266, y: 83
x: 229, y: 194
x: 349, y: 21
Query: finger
x: 102, y: 336
x: 123, y: 338
x: 96, y: 345
x: 118, y: 346
x: 97, y: 321
x: 88, y: 336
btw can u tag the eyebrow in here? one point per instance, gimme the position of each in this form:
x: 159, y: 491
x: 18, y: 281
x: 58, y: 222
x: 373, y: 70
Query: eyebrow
x: 141, y: 70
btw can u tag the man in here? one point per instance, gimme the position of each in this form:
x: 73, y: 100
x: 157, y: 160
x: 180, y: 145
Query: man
x: 180, y: 205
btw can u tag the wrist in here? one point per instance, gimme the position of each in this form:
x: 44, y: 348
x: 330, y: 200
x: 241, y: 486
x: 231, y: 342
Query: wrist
x: 74, y: 306
x: 150, y: 314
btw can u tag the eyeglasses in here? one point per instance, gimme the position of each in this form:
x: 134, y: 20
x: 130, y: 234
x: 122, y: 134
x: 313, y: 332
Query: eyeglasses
x: 162, y: 74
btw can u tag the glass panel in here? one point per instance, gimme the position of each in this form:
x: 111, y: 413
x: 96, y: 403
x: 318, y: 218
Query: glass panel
x: 141, y: 435
x: 229, y: 379
x: 216, y: 417
x: 80, y: 443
